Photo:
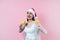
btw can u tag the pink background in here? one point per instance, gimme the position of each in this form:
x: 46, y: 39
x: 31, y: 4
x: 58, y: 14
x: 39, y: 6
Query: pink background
x: 13, y: 11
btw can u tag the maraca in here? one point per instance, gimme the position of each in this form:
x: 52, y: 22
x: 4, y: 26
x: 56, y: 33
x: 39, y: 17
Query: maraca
x: 23, y: 22
x: 37, y: 21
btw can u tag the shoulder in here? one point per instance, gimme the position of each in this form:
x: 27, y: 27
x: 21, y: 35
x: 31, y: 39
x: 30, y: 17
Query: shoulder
x: 36, y: 22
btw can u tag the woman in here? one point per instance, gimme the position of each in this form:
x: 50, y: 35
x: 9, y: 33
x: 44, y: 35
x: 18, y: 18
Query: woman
x: 32, y: 27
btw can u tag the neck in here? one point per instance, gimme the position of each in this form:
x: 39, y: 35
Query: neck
x: 30, y: 20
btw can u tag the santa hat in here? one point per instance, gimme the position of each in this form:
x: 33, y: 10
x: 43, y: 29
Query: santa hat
x: 32, y: 11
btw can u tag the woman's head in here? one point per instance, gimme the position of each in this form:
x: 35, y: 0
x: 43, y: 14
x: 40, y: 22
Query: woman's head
x: 30, y: 16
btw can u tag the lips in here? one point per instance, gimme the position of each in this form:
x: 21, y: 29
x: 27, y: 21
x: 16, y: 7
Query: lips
x: 29, y: 16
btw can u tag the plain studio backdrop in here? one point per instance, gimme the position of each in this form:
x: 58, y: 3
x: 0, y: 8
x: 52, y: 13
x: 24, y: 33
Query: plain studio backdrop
x: 13, y: 11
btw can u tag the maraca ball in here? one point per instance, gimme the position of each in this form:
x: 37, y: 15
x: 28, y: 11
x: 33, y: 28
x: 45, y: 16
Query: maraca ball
x: 36, y: 21
x: 23, y: 22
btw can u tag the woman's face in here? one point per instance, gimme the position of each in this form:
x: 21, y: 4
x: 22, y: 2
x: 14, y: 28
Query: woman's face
x: 29, y: 15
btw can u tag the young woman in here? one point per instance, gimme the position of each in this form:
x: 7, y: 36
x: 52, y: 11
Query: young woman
x: 32, y: 27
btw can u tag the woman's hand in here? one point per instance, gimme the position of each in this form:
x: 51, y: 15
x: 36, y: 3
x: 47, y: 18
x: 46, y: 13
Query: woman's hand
x: 40, y: 27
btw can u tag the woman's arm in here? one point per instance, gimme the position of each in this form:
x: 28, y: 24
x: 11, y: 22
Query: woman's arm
x: 40, y: 27
x: 22, y: 27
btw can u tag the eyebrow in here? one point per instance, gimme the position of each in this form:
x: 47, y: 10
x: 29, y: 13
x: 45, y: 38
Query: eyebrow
x: 29, y: 12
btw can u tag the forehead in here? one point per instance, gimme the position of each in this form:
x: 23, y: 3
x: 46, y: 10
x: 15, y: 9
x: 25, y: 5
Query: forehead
x: 29, y: 12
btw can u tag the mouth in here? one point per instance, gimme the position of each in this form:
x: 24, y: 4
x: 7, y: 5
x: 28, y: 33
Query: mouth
x: 29, y: 16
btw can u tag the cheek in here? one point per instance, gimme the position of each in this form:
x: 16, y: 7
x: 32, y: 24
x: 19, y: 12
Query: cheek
x: 31, y: 16
x: 27, y: 15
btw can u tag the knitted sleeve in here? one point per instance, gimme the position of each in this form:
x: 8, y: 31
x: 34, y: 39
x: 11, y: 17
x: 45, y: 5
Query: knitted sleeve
x: 43, y: 29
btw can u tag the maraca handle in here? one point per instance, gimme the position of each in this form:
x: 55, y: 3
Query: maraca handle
x: 22, y: 27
